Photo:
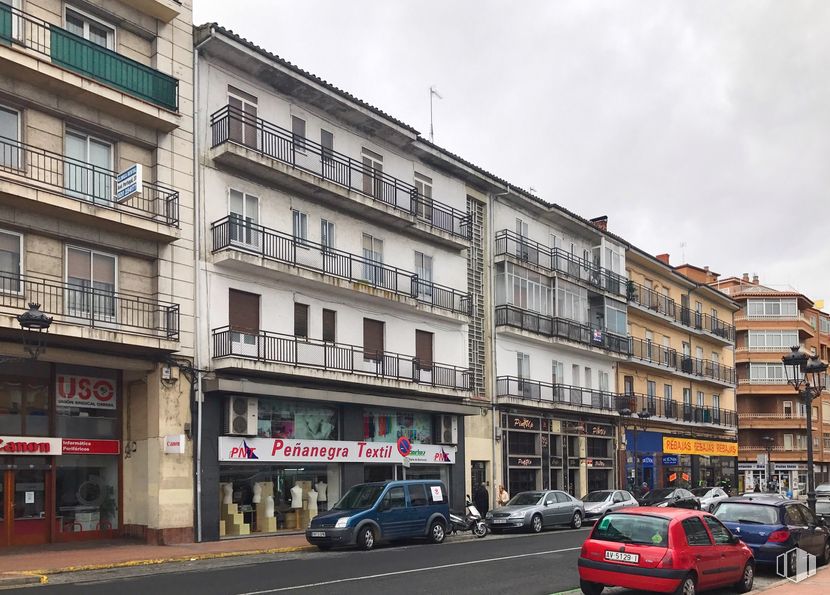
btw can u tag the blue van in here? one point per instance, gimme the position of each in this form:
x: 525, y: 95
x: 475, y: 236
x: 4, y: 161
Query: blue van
x: 370, y: 512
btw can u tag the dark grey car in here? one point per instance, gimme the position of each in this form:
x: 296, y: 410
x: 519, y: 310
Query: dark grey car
x: 536, y: 510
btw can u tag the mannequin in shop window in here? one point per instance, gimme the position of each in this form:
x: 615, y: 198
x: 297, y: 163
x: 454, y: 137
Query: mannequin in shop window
x: 312, y: 503
x: 297, y: 496
x: 322, y: 492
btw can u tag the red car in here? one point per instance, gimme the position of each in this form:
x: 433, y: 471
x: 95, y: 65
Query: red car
x: 668, y: 550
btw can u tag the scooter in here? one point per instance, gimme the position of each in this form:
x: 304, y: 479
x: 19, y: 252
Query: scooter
x: 471, y: 521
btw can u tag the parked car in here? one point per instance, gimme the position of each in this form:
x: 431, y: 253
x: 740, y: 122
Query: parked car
x: 667, y: 550
x: 371, y: 512
x: 771, y: 526
x: 598, y: 503
x: 708, y: 497
x: 823, y: 509
x: 674, y: 497
x: 823, y: 490
x: 534, y: 511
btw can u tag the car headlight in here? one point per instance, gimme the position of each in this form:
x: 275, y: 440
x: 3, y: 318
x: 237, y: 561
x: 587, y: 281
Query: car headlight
x: 516, y: 515
x: 342, y: 522
x: 489, y: 515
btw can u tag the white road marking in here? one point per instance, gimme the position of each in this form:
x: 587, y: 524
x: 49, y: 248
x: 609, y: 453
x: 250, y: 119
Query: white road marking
x: 399, y: 572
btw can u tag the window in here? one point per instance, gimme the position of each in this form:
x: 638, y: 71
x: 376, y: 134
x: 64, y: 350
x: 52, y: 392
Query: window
x: 299, y: 222
x: 423, y: 268
x: 557, y: 373
x: 772, y: 340
x: 88, y: 167
x: 716, y: 403
x: 91, y: 275
x: 667, y: 392
x: 615, y: 317
x: 562, y: 497
x: 90, y: 29
x: 800, y: 442
x: 393, y: 499
x: 687, y: 397
x: 301, y: 320
x: 521, y: 227
x: 373, y: 255
x: 10, y: 261
x: 243, y: 320
x: 572, y: 302
x: 603, y: 381
x: 824, y: 325
x: 372, y: 339
x: 695, y: 532
x: 651, y: 390
x: 772, y: 308
x: 793, y: 517
x: 522, y: 365
x: 244, y: 216
x: 417, y: 494
x: 243, y: 117
x: 373, y: 174
x: 788, y: 441
x: 788, y: 408
x: 589, y: 380
x: 326, y: 144
x: 772, y: 373
x: 701, y: 399
x: 575, y: 374
x: 423, y: 349
x: 298, y: 133
x: 687, y: 349
x: 329, y: 325
x: 720, y: 533
x: 327, y: 233
x: 423, y: 185
x: 826, y: 441
x: 524, y: 289
x: 9, y: 138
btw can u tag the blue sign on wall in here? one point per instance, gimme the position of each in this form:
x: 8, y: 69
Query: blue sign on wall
x: 670, y: 460
x: 648, y: 460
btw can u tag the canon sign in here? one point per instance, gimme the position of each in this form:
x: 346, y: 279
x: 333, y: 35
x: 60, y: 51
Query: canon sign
x: 85, y: 391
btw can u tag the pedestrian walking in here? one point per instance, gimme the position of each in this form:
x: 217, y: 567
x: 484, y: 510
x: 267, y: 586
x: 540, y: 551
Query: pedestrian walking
x: 503, y: 496
x: 481, y: 498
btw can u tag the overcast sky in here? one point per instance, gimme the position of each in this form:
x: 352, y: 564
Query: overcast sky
x: 696, y: 123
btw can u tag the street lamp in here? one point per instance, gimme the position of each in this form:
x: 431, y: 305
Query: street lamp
x: 638, y: 423
x: 34, y: 322
x: 768, y: 441
x: 806, y: 374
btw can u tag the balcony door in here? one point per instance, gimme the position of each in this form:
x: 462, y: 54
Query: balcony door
x: 88, y: 167
x: 90, y: 29
x: 243, y: 319
x: 243, y: 124
x: 423, y: 356
x: 373, y: 175
x: 90, y: 277
x: 9, y: 138
x: 244, y: 215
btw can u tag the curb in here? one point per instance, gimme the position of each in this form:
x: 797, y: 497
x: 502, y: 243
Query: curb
x: 17, y: 579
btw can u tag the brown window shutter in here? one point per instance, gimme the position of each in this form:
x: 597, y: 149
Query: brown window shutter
x: 243, y: 311
x: 372, y: 339
x: 301, y: 320
x: 423, y: 349
x: 329, y: 325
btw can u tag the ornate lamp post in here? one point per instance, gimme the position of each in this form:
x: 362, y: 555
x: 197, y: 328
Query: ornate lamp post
x: 768, y: 441
x: 34, y: 322
x: 806, y: 374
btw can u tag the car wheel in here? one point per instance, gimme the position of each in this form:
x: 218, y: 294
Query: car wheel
x: 688, y: 586
x: 825, y: 554
x: 589, y: 588
x: 324, y: 548
x: 747, y: 578
x: 576, y: 522
x: 536, y: 523
x: 437, y: 532
x: 366, y: 538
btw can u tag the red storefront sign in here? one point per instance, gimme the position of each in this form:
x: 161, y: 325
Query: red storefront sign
x: 78, y: 446
x: 88, y: 392
x: 27, y: 445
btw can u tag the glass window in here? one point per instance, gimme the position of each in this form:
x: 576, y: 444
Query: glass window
x: 562, y: 497
x: 24, y: 401
x: 88, y: 167
x: 86, y: 403
x: 732, y: 512
x: 615, y: 317
x: 244, y: 212
x: 387, y: 425
x: 287, y: 419
x: 93, y: 274
x: 373, y: 255
x: 572, y: 302
x: 299, y: 222
x: 423, y: 185
x: 695, y: 532
x: 298, y: 133
x: 423, y: 268
x: 417, y: 494
x: 86, y: 493
x: 10, y: 265
x: 625, y: 528
x: 94, y: 30
x: 9, y: 137
x: 720, y: 533
x: 524, y: 289
x: 394, y: 498
x: 327, y: 233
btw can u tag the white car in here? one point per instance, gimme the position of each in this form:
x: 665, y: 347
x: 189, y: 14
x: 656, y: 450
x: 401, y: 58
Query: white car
x: 708, y: 497
x: 602, y: 501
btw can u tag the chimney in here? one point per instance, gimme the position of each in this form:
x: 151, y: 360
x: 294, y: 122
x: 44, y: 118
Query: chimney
x: 745, y: 278
x: 664, y: 258
x: 600, y: 222
x: 754, y: 279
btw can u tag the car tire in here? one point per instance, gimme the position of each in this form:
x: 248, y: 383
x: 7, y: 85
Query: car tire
x: 747, y: 578
x: 324, y: 548
x: 536, y: 523
x: 366, y: 538
x: 589, y: 588
x: 576, y: 521
x: 437, y: 532
x: 824, y: 558
x: 687, y: 586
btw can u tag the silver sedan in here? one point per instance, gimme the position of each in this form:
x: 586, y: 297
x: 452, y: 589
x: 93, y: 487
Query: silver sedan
x: 536, y: 510
x: 598, y: 503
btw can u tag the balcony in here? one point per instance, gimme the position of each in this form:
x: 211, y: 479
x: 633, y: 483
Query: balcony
x: 798, y: 322
x: 673, y: 410
x: 554, y: 260
x: 363, y: 274
x: 556, y: 394
x: 561, y: 328
x: 657, y: 355
x: 649, y: 301
x: 48, y: 180
x: 107, y: 315
x: 336, y: 361
x: 242, y: 140
x: 771, y: 421
x: 46, y: 56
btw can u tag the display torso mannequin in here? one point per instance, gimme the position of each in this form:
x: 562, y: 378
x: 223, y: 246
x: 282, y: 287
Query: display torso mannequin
x: 227, y: 493
x: 257, y: 493
x: 296, y: 496
x: 312, y: 502
x: 322, y: 487
x: 269, y: 507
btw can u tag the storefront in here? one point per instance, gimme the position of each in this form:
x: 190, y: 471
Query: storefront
x: 60, y: 469
x: 786, y: 477
x: 543, y: 453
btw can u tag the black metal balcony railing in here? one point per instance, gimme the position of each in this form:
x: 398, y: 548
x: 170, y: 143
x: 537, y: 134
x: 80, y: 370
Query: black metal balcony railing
x: 651, y: 352
x: 559, y: 261
x: 232, y: 232
x: 266, y: 346
x: 663, y: 304
x: 230, y: 124
x: 86, y: 182
x: 89, y: 59
x: 89, y: 306
x: 534, y: 390
x: 562, y: 328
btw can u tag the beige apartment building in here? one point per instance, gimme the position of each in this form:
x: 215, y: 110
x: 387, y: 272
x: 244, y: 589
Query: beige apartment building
x: 95, y: 232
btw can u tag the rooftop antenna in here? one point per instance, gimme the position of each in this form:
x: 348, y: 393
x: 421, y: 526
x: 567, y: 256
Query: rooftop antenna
x: 432, y: 91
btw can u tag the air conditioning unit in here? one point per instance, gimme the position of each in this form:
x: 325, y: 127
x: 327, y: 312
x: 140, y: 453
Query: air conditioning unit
x: 241, y: 416
x: 448, y: 430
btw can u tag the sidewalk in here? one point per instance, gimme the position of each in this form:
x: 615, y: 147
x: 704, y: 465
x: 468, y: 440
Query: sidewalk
x: 818, y: 584
x: 32, y: 564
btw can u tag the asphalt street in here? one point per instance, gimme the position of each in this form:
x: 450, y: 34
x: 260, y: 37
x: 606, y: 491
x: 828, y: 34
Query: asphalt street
x: 527, y: 564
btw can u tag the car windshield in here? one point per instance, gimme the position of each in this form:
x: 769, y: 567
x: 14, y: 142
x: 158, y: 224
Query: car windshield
x: 701, y: 491
x: 525, y: 499
x: 747, y: 512
x: 360, y: 496
x: 657, y: 495
x: 596, y: 497
x: 633, y: 528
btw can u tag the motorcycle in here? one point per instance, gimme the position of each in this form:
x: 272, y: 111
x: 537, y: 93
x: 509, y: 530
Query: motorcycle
x: 471, y: 521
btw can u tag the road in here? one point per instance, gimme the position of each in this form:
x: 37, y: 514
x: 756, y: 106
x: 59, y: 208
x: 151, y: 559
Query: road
x: 527, y: 564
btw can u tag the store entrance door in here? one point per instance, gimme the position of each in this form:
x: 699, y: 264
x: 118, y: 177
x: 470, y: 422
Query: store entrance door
x: 25, y: 514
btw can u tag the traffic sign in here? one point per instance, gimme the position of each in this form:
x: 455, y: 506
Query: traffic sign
x: 404, y: 446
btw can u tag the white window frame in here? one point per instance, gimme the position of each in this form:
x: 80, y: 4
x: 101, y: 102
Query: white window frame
x: 112, y: 41
x: 254, y: 236
x: 328, y: 234
x: 92, y: 252
x: 89, y: 195
x: 557, y: 372
x: 17, y: 162
x: 425, y: 204
x: 299, y: 222
x: 425, y: 288
x: 20, y: 266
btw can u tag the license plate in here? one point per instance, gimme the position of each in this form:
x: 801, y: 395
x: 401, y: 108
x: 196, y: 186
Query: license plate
x: 622, y: 557
x: 318, y: 533
x: 499, y: 521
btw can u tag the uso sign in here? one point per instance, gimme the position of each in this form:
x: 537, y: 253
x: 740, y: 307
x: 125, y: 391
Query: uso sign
x: 89, y: 392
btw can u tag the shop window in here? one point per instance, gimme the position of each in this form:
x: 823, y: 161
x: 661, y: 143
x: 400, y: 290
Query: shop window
x: 86, y: 403
x: 86, y: 493
x: 24, y: 401
x: 598, y: 447
x: 523, y: 443
x: 387, y: 425
x: 286, y: 419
